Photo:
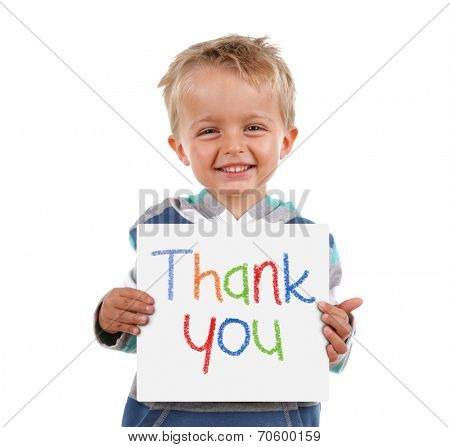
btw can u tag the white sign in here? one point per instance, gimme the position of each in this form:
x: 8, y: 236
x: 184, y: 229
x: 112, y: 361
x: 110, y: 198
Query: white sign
x: 236, y: 317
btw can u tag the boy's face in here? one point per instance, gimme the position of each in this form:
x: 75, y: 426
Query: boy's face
x: 225, y: 120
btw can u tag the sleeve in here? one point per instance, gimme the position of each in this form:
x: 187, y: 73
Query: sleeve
x: 335, y: 280
x: 121, y: 341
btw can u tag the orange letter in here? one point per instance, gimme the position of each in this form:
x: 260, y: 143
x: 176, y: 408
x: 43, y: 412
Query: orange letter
x: 199, y: 276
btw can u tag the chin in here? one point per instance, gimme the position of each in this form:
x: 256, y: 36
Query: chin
x: 230, y: 190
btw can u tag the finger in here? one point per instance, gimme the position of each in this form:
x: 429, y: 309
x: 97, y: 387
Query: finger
x: 337, y: 342
x: 342, y: 328
x: 128, y: 328
x: 113, y: 326
x: 136, y: 294
x: 349, y: 305
x: 333, y: 310
x: 133, y: 305
x: 332, y: 354
x: 122, y: 316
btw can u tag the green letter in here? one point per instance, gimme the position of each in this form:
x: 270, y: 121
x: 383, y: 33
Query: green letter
x: 277, y: 348
x: 226, y: 282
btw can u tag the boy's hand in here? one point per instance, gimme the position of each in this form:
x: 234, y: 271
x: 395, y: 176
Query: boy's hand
x: 337, y: 328
x: 120, y: 308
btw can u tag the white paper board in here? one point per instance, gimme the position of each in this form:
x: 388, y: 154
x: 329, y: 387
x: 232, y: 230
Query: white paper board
x: 170, y: 370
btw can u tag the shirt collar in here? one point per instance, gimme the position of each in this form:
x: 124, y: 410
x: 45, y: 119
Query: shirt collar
x: 211, y: 208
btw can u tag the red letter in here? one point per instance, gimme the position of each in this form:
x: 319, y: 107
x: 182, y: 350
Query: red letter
x: 257, y: 272
x: 208, y: 344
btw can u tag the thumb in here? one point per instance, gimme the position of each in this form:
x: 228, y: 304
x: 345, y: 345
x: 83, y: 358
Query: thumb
x: 350, y: 304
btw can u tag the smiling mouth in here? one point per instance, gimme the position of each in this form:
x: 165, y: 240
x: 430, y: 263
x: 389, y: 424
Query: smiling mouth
x: 235, y: 169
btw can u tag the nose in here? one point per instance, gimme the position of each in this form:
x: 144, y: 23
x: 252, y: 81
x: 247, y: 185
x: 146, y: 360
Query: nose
x: 233, y: 145
x: 232, y: 151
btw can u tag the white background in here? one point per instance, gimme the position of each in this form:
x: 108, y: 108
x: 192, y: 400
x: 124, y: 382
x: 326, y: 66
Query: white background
x: 71, y: 170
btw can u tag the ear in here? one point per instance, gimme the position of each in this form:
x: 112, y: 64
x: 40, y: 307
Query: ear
x: 288, y: 141
x: 178, y: 148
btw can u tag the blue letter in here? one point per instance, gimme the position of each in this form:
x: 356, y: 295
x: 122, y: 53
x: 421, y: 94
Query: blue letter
x: 290, y: 288
x: 220, y: 336
x: 171, y: 254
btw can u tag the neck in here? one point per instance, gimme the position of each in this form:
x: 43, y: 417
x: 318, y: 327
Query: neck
x: 239, y: 204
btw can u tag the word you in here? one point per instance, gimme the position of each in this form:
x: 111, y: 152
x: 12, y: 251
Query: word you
x: 207, y: 346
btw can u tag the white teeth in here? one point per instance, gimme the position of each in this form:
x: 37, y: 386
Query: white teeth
x: 235, y: 168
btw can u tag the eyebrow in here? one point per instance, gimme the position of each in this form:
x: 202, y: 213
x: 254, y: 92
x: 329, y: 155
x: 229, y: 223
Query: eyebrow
x: 249, y: 116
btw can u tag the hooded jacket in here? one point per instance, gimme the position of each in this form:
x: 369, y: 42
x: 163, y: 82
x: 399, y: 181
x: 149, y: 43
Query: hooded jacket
x: 191, y: 210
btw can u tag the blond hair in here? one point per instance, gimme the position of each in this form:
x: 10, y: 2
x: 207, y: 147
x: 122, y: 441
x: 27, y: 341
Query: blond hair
x: 256, y: 61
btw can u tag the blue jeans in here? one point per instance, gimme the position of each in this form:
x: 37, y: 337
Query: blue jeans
x: 137, y: 414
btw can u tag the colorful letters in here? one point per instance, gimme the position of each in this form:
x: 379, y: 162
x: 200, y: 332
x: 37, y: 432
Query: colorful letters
x: 207, y: 346
x: 242, y: 273
x: 290, y: 288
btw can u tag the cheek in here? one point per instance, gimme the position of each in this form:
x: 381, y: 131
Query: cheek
x: 201, y: 158
x: 268, y: 154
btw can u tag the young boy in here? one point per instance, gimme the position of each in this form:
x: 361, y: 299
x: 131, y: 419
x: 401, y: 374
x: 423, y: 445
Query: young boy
x: 231, y: 109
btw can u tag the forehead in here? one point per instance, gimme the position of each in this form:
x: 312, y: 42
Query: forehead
x: 219, y: 93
